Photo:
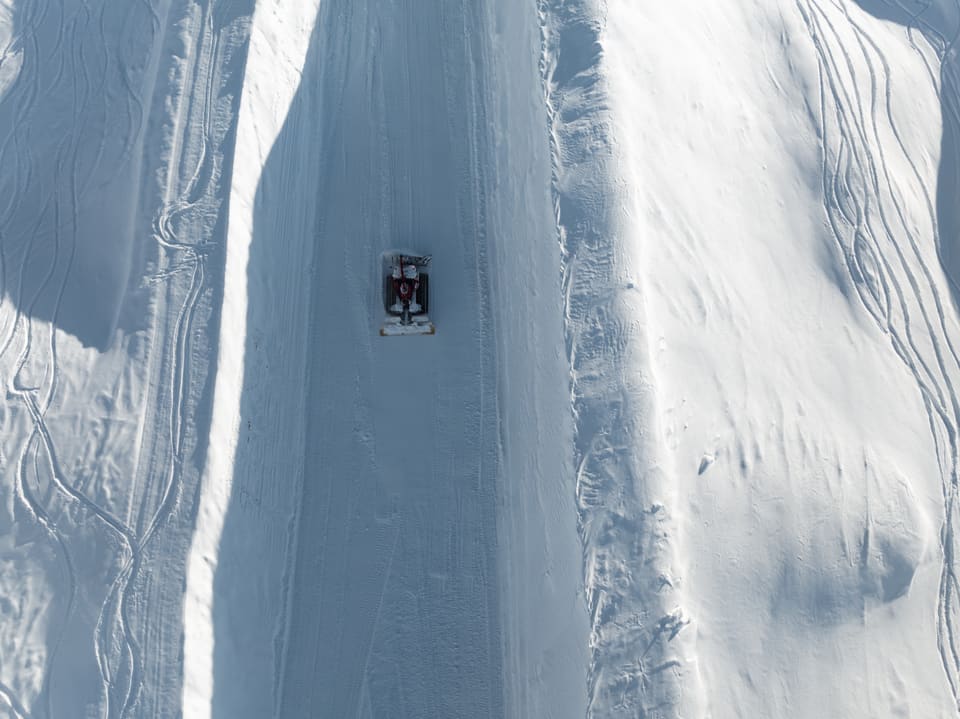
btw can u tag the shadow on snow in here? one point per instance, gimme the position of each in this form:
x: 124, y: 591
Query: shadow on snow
x: 939, y: 23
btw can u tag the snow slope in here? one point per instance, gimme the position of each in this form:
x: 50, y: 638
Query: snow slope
x: 760, y: 336
x: 114, y: 121
x: 684, y: 444
x: 801, y: 329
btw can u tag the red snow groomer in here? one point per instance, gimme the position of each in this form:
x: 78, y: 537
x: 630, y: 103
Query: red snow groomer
x: 405, y: 294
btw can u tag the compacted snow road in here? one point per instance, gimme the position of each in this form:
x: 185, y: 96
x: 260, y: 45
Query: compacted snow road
x: 394, y: 601
x: 359, y: 513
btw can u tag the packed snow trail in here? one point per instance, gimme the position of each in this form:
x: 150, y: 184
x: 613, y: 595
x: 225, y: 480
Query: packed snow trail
x: 394, y: 599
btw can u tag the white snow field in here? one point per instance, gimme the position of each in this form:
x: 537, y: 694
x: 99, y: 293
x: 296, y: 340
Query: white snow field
x: 685, y: 443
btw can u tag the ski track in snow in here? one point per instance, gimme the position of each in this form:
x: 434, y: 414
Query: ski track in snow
x: 888, y: 259
x: 27, y: 392
x: 98, y: 43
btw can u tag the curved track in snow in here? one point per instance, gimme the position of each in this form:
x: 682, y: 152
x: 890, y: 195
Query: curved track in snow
x: 42, y: 484
x: 100, y: 348
x: 894, y: 260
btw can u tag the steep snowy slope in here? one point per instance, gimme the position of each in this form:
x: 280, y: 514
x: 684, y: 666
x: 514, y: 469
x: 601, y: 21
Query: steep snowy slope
x: 685, y: 443
x: 768, y: 236
x: 116, y: 122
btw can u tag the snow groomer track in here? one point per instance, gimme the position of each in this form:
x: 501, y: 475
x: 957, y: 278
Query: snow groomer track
x: 394, y: 594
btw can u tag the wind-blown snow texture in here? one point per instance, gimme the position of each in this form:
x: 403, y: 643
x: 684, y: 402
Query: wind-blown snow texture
x: 685, y: 443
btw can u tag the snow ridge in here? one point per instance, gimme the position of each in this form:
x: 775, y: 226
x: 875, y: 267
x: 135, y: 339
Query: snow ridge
x: 640, y: 643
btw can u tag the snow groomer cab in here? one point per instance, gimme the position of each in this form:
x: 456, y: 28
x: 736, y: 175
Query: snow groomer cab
x: 406, y: 294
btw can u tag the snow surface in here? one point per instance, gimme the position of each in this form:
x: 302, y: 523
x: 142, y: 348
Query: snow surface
x: 685, y: 443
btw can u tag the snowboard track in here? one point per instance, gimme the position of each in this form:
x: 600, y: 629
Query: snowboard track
x: 53, y: 500
x: 887, y: 257
x: 22, y: 325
